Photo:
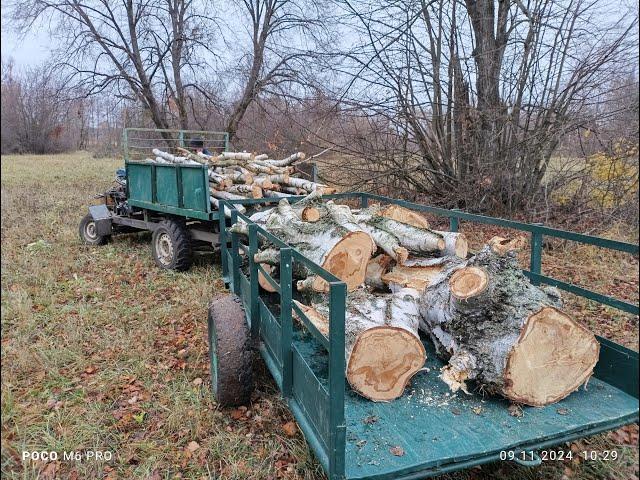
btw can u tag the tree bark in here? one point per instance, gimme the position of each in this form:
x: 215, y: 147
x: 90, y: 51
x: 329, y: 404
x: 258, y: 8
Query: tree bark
x: 496, y: 328
x: 382, y: 347
x: 335, y: 242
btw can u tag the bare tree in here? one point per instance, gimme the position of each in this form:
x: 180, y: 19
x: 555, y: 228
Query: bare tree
x: 36, y: 115
x: 141, y: 50
x: 480, y: 93
x: 285, y: 36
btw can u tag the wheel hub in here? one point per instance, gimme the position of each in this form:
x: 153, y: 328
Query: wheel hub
x: 90, y: 230
x: 164, y: 247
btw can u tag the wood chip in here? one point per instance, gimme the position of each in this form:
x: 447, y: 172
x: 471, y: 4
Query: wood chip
x: 397, y: 451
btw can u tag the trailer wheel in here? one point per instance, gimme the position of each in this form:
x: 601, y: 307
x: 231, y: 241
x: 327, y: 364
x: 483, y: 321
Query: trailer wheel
x: 171, y: 246
x: 88, y: 233
x: 230, y: 352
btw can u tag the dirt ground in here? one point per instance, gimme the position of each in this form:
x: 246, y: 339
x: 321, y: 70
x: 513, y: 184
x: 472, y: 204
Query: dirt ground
x: 103, y: 352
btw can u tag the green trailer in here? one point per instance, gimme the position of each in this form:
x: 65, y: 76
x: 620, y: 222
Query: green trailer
x: 353, y: 438
x: 428, y: 431
x: 170, y: 200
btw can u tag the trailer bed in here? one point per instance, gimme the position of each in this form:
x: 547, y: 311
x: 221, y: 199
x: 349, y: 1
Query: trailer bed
x: 433, y: 430
x: 439, y: 431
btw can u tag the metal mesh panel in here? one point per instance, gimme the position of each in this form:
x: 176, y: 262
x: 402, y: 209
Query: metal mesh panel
x: 139, y: 142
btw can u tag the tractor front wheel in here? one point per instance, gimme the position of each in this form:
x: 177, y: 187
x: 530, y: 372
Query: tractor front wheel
x: 89, y: 234
x: 230, y: 351
x: 171, y: 246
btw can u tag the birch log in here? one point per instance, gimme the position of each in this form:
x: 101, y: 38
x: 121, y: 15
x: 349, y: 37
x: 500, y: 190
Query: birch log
x: 382, y: 347
x: 496, y: 328
x: 336, y: 243
x: 416, y: 239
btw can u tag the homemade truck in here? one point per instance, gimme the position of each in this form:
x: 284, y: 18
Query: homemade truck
x: 426, y: 432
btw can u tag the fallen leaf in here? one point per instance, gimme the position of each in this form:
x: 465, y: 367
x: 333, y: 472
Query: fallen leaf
x: 155, y: 475
x: 290, y: 429
x: 139, y: 417
x: 90, y: 370
x: 49, y: 471
x: 237, y: 414
x: 562, y: 411
x: 192, y: 446
x: 397, y: 451
x: 477, y: 410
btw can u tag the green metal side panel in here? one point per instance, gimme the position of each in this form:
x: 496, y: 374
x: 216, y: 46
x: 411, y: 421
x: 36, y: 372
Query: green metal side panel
x: 167, y: 185
x: 174, y: 189
x: 139, y: 182
x: 194, y: 195
x: 270, y: 332
x: 311, y: 395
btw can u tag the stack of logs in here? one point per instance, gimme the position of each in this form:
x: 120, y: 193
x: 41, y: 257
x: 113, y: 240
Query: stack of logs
x: 242, y: 175
x: 486, y: 320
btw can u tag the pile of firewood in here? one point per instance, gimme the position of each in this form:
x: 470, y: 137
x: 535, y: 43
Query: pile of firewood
x: 242, y: 175
x: 486, y: 320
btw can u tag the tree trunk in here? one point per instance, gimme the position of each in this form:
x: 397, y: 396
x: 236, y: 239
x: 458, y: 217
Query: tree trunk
x: 493, y: 326
x: 382, y: 346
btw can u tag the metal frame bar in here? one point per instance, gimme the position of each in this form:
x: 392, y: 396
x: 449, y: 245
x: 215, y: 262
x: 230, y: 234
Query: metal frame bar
x: 179, y: 134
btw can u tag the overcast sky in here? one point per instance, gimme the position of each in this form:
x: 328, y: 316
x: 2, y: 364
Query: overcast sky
x: 31, y: 49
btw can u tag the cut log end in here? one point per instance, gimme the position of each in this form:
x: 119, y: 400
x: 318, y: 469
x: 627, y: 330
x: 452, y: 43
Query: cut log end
x: 502, y: 246
x: 348, y: 261
x: 553, y: 357
x: 402, y: 254
x: 262, y: 280
x: 310, y: 214
x: 404, y: 215
x: 376, y: 269
x: 382, y: 362
x: 461, y: 247
x: 468, y: 282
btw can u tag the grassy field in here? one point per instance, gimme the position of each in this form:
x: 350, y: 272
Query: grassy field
x: 103, y: 352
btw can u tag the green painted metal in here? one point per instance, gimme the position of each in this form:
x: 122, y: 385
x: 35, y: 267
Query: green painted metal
x: 174, y: 189
x: 286, y: 321
x: 337, y: 367
x: 166, y: 185
x: 138, y: 143
x: 253, y: 281
x: 535, y: 258
x: 438, y: 431
x: 454, y: 223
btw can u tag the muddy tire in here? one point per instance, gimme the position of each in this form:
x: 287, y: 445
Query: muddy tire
x: 171, y: 246
x: 87, y: 232
x: 230, y: 351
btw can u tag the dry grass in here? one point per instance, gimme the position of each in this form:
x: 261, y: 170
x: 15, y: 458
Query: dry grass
x: 103, y: 351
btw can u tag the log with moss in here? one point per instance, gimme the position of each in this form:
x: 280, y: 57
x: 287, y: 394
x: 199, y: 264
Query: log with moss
x: 494, y: 327
x: 382, y: 347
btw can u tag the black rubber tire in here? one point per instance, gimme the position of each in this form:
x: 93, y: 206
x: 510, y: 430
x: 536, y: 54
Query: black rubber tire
x: 87, y: 234
x: 171, y: 246
x: 230, y: 351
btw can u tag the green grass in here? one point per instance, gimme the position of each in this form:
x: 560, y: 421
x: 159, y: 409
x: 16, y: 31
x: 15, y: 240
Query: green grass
x: 103, y: 351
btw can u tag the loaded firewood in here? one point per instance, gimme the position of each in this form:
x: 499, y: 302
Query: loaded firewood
x: 336, y: 243
x: 496, y: 328
x: 382, y: 347
x: 240, y: 175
